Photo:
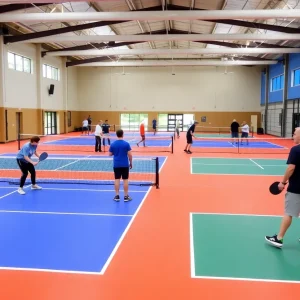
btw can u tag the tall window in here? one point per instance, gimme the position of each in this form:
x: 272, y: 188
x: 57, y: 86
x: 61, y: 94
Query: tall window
x: 277, y: 83
x: 132, y: 121
x: 296, y: 77
x: 50, y: 72
x: 19, y: 62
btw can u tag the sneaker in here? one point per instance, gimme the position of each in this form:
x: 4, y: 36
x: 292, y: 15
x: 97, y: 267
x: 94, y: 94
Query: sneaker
x: 185, y: 150
x: 189, y: 152
x: 35, y: 187
x: 272, y: 240
x: 127, y: 198
x: 117, y: 198
x: 21, y: 191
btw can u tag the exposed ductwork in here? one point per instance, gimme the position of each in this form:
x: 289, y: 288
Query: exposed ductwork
x: 157, y: 63
x: 165, y: 37
x: 152, y: 15
x: 162, y: 51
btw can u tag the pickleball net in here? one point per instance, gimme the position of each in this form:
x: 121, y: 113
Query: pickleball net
x: 82, y: 170
x: 86, y: 143
x: 263, y: 145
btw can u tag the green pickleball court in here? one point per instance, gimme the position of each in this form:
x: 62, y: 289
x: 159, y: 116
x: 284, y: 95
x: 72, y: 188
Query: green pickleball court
x: 238, y: 166
x: 233, y: 247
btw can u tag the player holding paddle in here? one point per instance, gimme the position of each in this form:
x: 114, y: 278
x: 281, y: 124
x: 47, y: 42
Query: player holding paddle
x: 292, y: 197
x: 27, y: 165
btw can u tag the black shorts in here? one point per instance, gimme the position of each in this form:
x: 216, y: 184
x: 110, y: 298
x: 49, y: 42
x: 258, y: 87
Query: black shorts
x: 122, y: 172
x: 189, y: 139
x: 244, y: 134
x: 143, y: 137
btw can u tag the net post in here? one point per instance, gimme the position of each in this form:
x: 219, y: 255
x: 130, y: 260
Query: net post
x: 156, y: 172
x: 172, y: 144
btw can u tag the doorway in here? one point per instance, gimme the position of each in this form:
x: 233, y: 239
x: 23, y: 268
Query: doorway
x: 296, y: 121
x: 254, y: 123
x: 18, y: 124
x: 6, y: 126
x: 50, y: 122
x: 172, y: 119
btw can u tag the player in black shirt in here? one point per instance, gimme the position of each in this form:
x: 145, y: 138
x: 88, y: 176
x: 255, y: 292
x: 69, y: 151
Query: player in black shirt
x: 189, y: 137
x: 234, y: 128
x: 105, y: 131
x: 292, y: 196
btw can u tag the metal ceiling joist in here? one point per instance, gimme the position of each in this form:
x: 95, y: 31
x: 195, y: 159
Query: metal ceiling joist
x: 13, y: 7
x: 152, y: 15
x: 53, y: 32
x: 166, y: 37
x: 178, y: 63
x: 13, y: 39
x: 90, y: 46
x: 246, y: 24
x: 162, y: 51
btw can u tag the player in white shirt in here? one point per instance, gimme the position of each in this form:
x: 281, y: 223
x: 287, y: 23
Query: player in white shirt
x: 245, y: 131
x: 98, y: 134
x: 85, y: 125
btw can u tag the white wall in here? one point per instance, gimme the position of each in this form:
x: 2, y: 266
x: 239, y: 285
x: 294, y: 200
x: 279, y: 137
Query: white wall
x: 24, y: 90
x: 20, y: 88
x: 155, y: 88
x: 73, y: 101
x: 55, y: 101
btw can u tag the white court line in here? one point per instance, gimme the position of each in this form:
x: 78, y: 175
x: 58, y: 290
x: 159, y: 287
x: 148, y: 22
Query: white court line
x: 191, y: 165
x: 228, y: 278
x: 192, y: 252
x: 124, y: 234
x: 244, y: 165
x: 49, y: 271
x: 231, y: 214
x: 222, y: 174
x: 16, y: 189
x: 235, y: 158
x: 61, y: 213
x: 166, y: 157
x: 71, y: 163
x: 256, y: 163
x: 245, y: 279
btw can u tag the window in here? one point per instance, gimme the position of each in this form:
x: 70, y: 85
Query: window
x: 50, y: 72
x: 277, y: 83
x: 162, y: 122
x: 131, y: 122
x: 296, y: 77
x: 19, y: 63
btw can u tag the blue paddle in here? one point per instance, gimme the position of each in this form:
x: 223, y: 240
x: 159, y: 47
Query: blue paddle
x: 43, y: 156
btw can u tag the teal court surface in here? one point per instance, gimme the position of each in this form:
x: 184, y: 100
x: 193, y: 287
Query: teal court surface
x: 228, y: 246
x: 237, y: 166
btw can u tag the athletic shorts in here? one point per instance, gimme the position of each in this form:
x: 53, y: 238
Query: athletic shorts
x: 292, y: 204
x: 234, y: 134
x: 244, y: 134
x: 122, y: 172
x: 189, y: 139
x: 143, y: 137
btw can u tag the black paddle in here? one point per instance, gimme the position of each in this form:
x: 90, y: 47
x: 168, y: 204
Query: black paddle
x: 274, y: 188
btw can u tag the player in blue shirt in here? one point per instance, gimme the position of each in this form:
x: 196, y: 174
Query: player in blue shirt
x: 27, y: 165
x: 122, y: 162
x: 154, y: 125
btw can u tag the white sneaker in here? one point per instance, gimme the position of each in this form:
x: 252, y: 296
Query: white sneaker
x: 21, y: 191
x: 35, y: 187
